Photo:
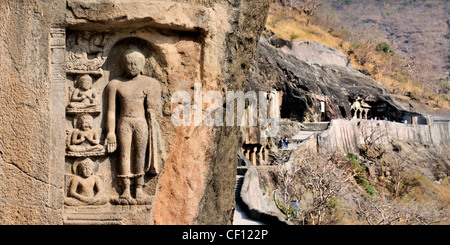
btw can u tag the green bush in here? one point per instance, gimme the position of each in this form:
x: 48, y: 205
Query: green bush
x: 384, y: 47
x: 360, y: 176
x: 368, y: 187
x: 289, y: 211
x: 333, y: 203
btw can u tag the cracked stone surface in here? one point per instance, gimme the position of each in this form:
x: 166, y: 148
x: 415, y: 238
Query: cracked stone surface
x: 218, y: 37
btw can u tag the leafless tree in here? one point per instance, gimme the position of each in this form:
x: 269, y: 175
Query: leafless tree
x: 315, y: 181
x: 287, y: 175
x: 306, y: 7
x: 399, y: 176
x: 379, y: 212
x: 372, y: 137
x: 415, y: 214
x: 384, y: 211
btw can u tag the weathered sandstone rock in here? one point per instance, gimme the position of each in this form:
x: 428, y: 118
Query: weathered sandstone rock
x: 49, y: 150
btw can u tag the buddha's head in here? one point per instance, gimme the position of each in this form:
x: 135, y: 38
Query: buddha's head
x: 133, y: 62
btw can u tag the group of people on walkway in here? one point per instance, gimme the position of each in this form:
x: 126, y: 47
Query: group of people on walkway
x: 283, y: 143
x: 380, y: 118
x: 373, y: 118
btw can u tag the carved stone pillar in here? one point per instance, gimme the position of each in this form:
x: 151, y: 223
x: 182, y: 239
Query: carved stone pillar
x: 263, y: 158
x: 266, y: 154
x: 366, y: 113
x: 247, y: 152
x: 253, y: 158
x: 260, y: 156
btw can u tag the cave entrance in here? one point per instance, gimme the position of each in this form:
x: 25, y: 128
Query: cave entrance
x: 293, y: 108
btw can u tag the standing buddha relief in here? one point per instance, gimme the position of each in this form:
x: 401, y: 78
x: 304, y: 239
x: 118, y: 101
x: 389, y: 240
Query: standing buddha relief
x: 114, y: 124
x: 135, y: 131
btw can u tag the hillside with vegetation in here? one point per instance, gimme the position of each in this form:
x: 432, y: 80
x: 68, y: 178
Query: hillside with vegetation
x: 402, y: 183
x: 418, y: 30
x: 368, y: 41
x: 394, y: 172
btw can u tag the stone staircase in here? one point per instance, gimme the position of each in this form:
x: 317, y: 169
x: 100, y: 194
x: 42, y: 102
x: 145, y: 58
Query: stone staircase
x: 239, y: 182
x: 240, y: 217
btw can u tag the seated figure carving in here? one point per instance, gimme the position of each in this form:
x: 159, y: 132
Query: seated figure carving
x: 85, y: 138
x: 84, y: 96
x: 85, y: 188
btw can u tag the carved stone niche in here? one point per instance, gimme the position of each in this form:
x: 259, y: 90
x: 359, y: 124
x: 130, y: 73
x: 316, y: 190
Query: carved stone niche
x: 118, y: 118
x: 84, y: 140
x: 83, y: 97
x: 84, y: 187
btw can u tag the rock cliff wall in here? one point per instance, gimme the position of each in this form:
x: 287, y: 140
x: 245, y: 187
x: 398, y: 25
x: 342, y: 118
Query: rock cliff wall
x: 188, y: 41
x: 30, y: 189
x: 347, y: 136
x: 308, y: 74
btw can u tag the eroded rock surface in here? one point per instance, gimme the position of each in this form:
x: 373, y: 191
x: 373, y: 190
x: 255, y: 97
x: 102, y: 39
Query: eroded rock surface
x: 308, y: 74
x: 46, y: 47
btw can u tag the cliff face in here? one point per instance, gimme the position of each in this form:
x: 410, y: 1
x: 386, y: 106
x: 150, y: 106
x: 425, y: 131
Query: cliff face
x: 46, y: 45
x: 403, y: 166
x: 309, y: 73
x: 347, y: 136
x: 30, y: 191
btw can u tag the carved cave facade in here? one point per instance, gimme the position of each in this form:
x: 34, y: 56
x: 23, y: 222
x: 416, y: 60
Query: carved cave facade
x: 117, y: 122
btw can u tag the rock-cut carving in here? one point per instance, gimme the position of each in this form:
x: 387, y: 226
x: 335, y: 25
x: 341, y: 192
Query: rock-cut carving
x: 85, y: 140
x: 136, y: 132
x: 86, y: 53
x: 361, y: 109
x: 84, y: 98
x: 85, y: 188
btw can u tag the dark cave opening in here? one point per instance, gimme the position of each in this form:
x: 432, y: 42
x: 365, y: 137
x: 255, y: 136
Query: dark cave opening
x: 292, y: 108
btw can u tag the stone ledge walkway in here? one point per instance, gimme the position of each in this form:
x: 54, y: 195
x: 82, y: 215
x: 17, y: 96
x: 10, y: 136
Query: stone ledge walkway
x: 297, y: 139
x: 240, y: 217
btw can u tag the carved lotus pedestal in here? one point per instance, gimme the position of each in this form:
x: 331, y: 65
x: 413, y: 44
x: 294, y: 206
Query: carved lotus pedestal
x: 139, y: 201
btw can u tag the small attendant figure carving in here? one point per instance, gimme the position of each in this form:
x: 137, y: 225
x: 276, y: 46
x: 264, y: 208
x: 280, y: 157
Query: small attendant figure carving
x: 138, y: 132
x: 84, y: 137
x: 85, y: 188
x: 84, y: 96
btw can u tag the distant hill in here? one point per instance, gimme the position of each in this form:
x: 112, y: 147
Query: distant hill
x: 415, y: 75
x: 415, y: 29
